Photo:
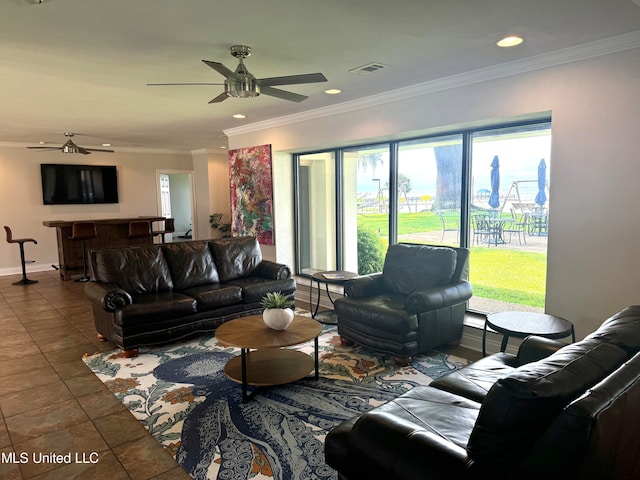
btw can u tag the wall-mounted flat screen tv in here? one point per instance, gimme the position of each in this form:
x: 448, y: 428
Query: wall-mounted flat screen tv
x: 77, y: 184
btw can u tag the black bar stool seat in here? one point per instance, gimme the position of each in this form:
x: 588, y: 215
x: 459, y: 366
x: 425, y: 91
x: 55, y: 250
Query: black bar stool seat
x: 83, y: 231
x: 139, y: 229
x: 21, y: 242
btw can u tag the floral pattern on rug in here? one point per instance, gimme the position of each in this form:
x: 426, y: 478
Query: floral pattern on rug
x: 181, y: 395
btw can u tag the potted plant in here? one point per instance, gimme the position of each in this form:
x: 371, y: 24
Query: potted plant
x: 217, y: 223
x: 278, y: 311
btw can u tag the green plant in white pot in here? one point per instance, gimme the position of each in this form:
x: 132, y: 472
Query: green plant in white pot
x: 278, y: 311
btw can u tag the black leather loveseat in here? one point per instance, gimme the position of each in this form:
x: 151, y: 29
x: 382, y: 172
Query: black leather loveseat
x: 154, y: 294
x: 570, y: 414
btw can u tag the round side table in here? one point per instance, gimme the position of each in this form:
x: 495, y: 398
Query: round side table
x: 523, y: 324
x: 332, y: 277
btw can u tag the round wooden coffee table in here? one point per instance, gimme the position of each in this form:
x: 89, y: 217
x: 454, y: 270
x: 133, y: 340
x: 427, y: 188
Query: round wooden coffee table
x: 263, y: 361
x: 523, y: 324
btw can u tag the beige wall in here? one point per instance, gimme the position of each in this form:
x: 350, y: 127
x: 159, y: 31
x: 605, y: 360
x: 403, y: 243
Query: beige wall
x: 593, y: 262
x: 21, y: 205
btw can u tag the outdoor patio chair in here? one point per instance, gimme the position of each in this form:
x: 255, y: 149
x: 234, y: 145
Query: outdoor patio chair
x: 518, y: 225
x: 480, y: 227
x: 450, y: 222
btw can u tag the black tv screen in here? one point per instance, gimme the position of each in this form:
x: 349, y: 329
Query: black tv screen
x: 74, y: 184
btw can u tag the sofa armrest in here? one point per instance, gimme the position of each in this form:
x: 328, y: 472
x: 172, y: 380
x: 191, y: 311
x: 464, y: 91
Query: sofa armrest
x: 384, y: 441
x: 107, y: 295
x: 438, y: 297
x: 534, y: 348
x: 364, y: 286
x: 273, y: 270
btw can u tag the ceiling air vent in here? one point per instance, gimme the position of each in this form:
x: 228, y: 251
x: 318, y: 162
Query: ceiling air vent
x: 369, y: 68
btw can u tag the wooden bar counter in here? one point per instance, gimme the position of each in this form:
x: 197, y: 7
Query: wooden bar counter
x: 111, y: 233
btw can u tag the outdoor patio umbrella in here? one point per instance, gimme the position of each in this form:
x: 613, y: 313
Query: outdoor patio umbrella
x: 542, y: 180
x: 494, y: 198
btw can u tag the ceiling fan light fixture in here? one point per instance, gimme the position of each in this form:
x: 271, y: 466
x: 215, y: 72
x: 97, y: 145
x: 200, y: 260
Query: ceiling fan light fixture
x: 70, y: 147
x: 242, y: 88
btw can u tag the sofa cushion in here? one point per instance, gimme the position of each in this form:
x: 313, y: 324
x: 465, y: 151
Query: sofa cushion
x: 408, y: 268
x: 622, y: 329
x: 475, y: 380
x: 210, y: 297
x: 520, y: 405
x: 153, y: 308
x: 137, y: 270
x: 596, y: 435
x: 236, y: 257
x: 191, y: 264
x: 254, y: 288
x: 395, y: 439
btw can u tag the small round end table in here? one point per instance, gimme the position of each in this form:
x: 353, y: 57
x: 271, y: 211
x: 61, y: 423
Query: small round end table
x: 523, y: 324
x: 333, y: 277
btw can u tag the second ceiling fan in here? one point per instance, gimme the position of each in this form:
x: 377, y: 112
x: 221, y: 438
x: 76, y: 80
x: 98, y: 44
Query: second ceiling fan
x: 242, y: 84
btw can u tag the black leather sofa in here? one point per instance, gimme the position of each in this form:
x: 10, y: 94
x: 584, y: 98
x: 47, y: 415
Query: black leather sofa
x: 159, y: 293
x: 573, y: 413
x: 416, y: 303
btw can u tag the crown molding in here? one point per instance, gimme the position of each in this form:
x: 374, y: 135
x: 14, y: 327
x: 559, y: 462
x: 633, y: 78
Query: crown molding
x: 576, y: 53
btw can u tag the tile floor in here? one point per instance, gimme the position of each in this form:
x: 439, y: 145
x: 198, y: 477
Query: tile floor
x: 51, y: 403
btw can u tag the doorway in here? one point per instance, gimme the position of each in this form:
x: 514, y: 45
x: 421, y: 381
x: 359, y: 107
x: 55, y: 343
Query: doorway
x: 176, y: 200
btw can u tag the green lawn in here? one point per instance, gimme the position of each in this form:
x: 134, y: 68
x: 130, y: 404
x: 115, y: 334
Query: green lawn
x: 496, y: 273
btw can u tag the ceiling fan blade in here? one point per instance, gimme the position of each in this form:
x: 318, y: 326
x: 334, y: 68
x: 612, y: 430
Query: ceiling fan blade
x: 44, y: 148
x: 220, y: 68
x: 292, y: 80
x: 169, y: 84
x: 283, y: 94
x: 97, y: 150
x: 83, y: 151
x: 220, y: 98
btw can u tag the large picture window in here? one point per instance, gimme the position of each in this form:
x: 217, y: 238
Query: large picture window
x: 486, y: 189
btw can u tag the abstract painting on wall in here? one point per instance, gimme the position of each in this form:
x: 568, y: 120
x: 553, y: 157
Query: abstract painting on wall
x: 251, y: 193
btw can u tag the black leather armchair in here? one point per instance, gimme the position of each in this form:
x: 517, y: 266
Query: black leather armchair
x: 415, y: 304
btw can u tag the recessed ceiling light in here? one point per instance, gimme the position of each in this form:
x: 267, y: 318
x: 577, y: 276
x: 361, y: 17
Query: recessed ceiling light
x: 223, y: 146
x: 42, y: 143
x: 510, y: 41
x: 239, y: 115
x: 106, y: 144
x: 333, y: 91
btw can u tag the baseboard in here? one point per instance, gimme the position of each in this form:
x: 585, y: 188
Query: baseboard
x: 33, y: 267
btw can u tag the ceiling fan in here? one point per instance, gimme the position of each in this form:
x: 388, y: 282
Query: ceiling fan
x: 241, y: 84
x: 70, y: 147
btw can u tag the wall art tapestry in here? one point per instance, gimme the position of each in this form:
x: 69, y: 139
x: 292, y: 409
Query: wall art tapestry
x: 251, y: 193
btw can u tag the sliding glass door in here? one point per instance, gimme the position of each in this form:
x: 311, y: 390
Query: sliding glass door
x: 430, y: 190
x: 509, y: 217
x: 316, y: 212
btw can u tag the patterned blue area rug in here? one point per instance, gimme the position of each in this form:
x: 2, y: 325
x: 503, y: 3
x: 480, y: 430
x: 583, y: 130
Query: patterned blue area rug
x: 181, y: 395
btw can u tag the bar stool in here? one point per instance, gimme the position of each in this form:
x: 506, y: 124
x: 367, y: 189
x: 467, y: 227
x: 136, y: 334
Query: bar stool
x: 21, y: 242
x: 168, y: 227
x: 139, y: 229
x: 83, y: 231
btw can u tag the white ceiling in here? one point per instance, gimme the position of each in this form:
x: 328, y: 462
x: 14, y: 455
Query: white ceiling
x: 83, y: 66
